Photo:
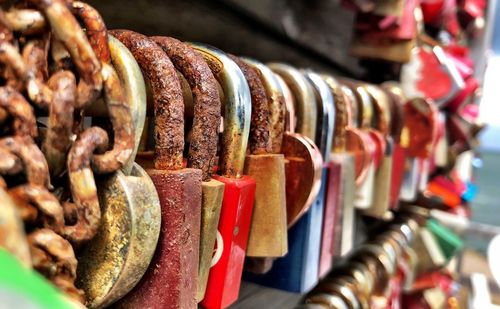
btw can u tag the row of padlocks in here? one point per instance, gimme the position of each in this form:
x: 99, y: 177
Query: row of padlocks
x: 146, y: 172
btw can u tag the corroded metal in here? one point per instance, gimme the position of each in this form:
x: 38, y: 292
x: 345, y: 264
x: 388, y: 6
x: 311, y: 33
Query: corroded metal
x: 207, y: 105
x: 117, y: 257
x: 259, y: 141
x: 305, y: 102
x: 59, y: 131
x: 35, y: 165
x: 12, y: 235
x: 114, y: 95
x: 342, y: 115
x: 290, y: 117
x: 203, y: 143
x: 25, y: 21
x: 49, y: 210
x: 167, y: 97
x: 237, y: 113
x: 276, y: 103
x: 24, y: 122
x: 82, y: 184
x: 53, y: 256
x: 65, y: 27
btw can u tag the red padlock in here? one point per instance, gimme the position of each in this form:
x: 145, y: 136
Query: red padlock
x: 227, y: 264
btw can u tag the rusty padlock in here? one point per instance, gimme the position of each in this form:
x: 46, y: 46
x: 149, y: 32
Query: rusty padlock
x: 298, y: 270
x: 227, y: 264
x: 168, y: 282
x: 206, y: 100
x: 324, y: 140
x: 268, y: 229
x: 344, y: 185
x: 118, y: 256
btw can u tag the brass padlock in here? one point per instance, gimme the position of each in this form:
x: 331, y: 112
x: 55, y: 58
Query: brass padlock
x: 118, y: 256
x: 206, y: 99
x: 175, y: 262
x: 268, y: 229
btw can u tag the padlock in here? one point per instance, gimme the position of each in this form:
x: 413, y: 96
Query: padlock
x: 118, y: 256
x: 342, y: 193
x: 227, y: 264
x: 420, y: 129
x: 205, y: 94
x: 358, y: 276
x: 371, y: 141
x: 298, y: 270
x: 383, y: 174
x: 324, y: 139
x: 168, y: 282
x: 338, y: 286
x: 268, y: 228
x: 430, y: 255
x: 326, y: 301
x: 397, y: 99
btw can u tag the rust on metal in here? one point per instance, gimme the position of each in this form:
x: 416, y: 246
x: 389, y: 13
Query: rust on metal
x: 35, y: 165
x: 24, y: 121
x: 60, y: 124
x: 25, y: 21
x: 167, y: 97
x: 114, y: 94
x: 342, y: 115
x: 53, y: 256
x: 65, y: 27
x: 207, y: 104
x: 259, y: 140
x: 10, y: 163
x: 82, y: 184
x: 49, y: 211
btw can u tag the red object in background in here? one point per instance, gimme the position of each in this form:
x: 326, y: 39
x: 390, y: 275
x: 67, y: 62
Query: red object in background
x: 225, y: 275
x: 471, y: 85
x: 398, y: 167
x: 432, y: 10
x: 434, y: 81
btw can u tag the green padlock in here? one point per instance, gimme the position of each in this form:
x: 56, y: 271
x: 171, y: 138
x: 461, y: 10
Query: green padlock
x: 449, y: 242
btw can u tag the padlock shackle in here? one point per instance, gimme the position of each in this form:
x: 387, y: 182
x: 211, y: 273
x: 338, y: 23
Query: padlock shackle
x: 326, y: 115
x: 397, y: 99
x: 134, y: 87
x: 290, y: 118
x: 276, y: 103
x: 305, y: 101
x: 342, y: 114
x: 207, y: 105
x: 237, y: 109
x: 259, y: 141
x: 167, y: 97
x: 381, y: 108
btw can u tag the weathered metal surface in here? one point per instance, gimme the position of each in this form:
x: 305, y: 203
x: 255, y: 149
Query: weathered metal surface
x: 82, y: 184
x: 167, y: 97
x: 207, y: 105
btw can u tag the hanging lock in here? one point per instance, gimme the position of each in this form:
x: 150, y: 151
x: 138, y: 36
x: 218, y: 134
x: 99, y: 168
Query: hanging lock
x: 118, y: 256
x: 324, y: 139
x: 396, y: 100
x: 341, y: 288
x: 420, y: 129
x: 168, y: 282
x: 325, y: 301
x: 236, y: 213
x: 298, y: 270
x: 383, y: 174
x: 342, y: 192
x: 268, y: 228
x: 205, y: 94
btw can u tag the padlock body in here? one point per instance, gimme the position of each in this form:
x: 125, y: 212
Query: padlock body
x: 212, y: 193
x: 398, y: 167
x: 364, y: 191
x: 170, y: 281
x: 297, y: 272
x: 382, y: 180
x: 115, y: 260
x: 409, y: 186
x: 347, y: 226
x: 331, y: 216
x: 268, y: 228
x: 229, y: 254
